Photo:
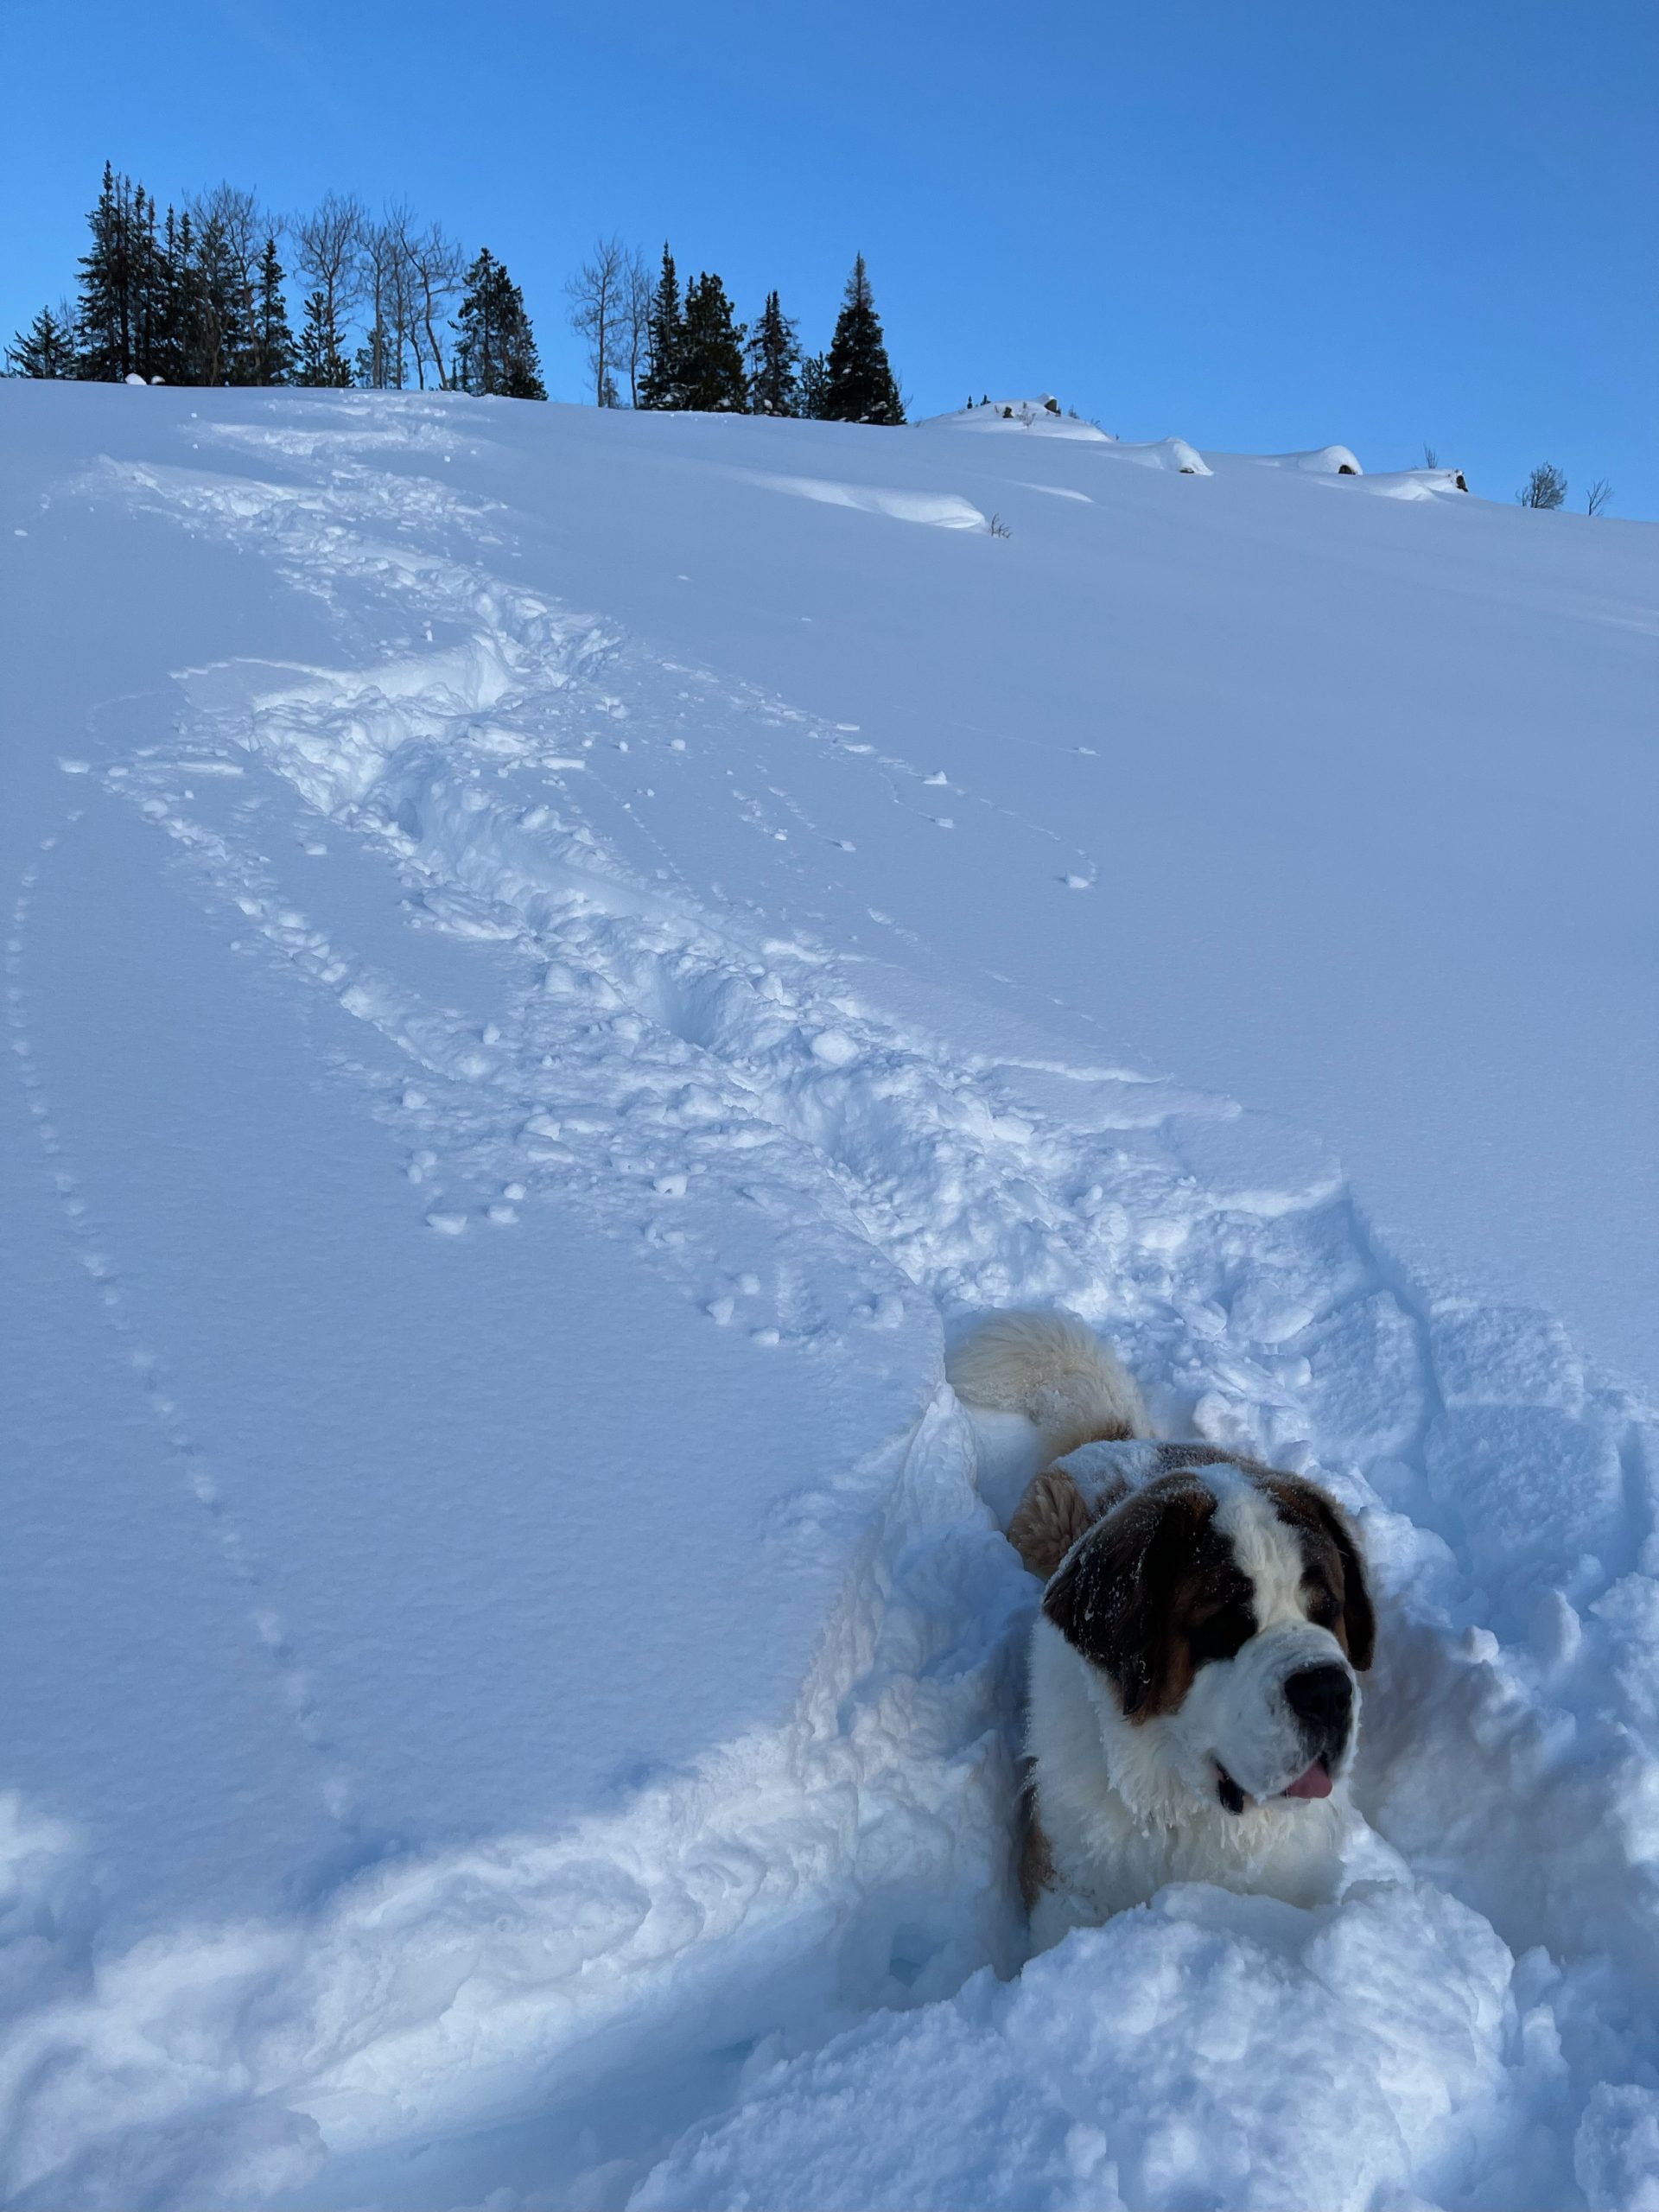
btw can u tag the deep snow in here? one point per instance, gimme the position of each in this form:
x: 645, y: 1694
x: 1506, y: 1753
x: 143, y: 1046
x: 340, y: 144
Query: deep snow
x: 551, y: 955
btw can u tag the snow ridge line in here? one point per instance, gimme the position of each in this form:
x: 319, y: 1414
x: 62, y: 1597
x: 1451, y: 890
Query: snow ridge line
x: 1501, y: 1484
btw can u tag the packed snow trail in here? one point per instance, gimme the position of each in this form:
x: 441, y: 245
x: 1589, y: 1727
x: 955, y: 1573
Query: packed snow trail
x: 449, y: 889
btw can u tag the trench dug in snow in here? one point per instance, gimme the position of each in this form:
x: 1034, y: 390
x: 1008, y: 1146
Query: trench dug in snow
x: 786, y: 1970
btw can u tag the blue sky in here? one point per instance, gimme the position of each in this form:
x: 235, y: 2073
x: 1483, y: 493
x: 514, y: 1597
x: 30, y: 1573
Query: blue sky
x: 1259, y: 227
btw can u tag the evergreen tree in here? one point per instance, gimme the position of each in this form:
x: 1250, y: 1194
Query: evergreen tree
x: 860, y: 386
x: 496, y: 348
x: 374, y: 356
x: 774, y: 363
x: 122, y: 284
x: 218, y: 318
x: 815, y: 387
x: 152, y: 294
x: 272, y: 354
x: 46, y: 349
x: 321, y: 362
x: 174, y: 361
x: 711, y: 376
x: 660, y: 386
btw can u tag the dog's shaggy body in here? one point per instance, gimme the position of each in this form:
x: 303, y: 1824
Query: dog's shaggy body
x: 1193, y: 1699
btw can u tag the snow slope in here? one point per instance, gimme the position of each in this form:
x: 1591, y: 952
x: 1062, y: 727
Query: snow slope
x: 551, y: 956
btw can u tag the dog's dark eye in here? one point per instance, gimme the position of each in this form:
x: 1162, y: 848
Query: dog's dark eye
x: 1223, y: 1636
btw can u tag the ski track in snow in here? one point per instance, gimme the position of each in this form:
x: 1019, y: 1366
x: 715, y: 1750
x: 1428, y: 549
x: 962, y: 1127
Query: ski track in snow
x: 660, y: 1060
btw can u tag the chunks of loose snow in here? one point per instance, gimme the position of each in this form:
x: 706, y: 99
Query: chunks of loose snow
x: 1382, y: 2042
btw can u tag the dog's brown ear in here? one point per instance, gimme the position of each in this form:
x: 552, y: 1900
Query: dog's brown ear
x: 1358, y: 1613
x: 1325, y: 1530
x: 1115, y: 1597
x: 1052, y: 1515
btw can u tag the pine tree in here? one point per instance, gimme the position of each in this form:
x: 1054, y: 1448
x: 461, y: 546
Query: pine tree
x: 774, y: 363
x: 219, y: 310
x: 860, y: 387
x: 322, y: 363
x: 660, y: 385
x: 272, y: 352
x: 173, y: 326
x: 711, y: 358
x: 152, y: 293
x: 46, y: 349
x: 114, y: 279
x: 496, y: 350
x: 815, y: 387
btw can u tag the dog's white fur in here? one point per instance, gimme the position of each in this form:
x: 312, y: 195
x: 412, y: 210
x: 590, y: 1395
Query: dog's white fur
x: 1125, y: 1806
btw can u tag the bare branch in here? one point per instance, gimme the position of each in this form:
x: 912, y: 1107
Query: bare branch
x: 437, y: 267
x: 1545, y: 487
x: 600, y: 293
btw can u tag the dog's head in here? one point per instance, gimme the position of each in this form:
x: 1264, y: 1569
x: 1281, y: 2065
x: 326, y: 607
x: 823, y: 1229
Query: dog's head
x: 1224, y: 1609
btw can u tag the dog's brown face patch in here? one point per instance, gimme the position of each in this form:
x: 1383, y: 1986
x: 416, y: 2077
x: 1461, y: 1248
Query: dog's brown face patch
x: 1334, y: 1590
x: 1152, y: 1592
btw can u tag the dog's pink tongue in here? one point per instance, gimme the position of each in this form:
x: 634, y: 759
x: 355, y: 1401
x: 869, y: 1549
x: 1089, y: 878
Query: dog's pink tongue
x: 1316, y: 1782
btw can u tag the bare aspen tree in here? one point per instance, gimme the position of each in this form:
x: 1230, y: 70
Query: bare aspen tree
x: 1598, y: 498
x: 1545, y: 487
x: 245, y: 224
x: 381, y: 247
x: 637, y: 323
x: 390, y: 249
x: 599, y: 294
x: 329, y: 253
x: 436, y: 266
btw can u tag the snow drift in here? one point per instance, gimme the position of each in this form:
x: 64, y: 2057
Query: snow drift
x: 541, y: 976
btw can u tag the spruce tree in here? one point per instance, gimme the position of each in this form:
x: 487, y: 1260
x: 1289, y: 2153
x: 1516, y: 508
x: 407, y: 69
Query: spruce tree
x: 46, y: 349
x: 112, y: 283
x: 711, y: 356
x: 660, y: 386
x: 152, y: 293
x: 495, y: 354
x: 860, y: 385
x: 174, y: 352
x: 219, y: 310
x: 272, y: 352
x: 815, y: 387
x: 774, y: 363
x: 322, y: 363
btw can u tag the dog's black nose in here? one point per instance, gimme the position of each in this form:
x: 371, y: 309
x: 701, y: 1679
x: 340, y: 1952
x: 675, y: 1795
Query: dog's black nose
x: 1321, y: 1696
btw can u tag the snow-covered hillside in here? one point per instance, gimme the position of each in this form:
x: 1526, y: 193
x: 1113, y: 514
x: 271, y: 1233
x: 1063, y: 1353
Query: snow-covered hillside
x: 551, y: 956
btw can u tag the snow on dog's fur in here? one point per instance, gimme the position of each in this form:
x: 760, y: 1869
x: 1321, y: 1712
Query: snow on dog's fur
x: 1194, y: 1700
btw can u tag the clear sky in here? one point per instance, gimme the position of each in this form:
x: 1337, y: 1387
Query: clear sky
x: 1259, y: 227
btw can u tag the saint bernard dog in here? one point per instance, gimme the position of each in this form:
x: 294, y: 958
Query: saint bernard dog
x: 1194, y: 1693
